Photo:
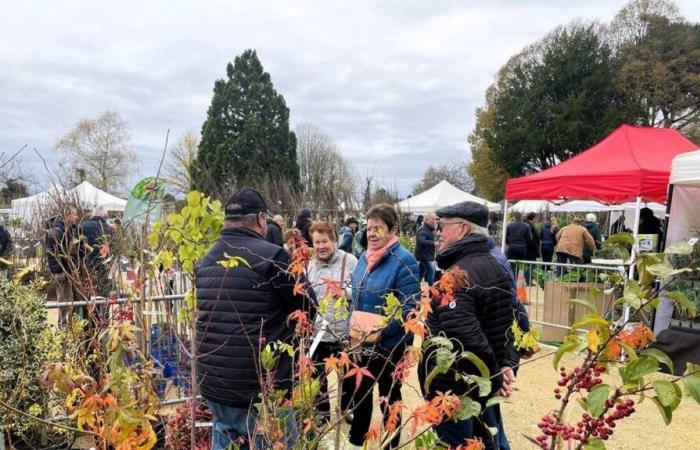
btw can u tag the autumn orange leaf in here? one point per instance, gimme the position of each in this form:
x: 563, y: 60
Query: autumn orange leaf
x: 471, y: 444
x: 358, y: 372
x: 374, y: 432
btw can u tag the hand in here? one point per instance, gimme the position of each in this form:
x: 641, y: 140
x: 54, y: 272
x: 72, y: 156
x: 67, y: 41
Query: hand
x: 508, y: 382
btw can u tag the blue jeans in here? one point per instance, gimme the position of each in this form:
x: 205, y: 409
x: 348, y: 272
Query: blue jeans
x: 231, y: 425
x: 455, y: 433
x: 427, y: 271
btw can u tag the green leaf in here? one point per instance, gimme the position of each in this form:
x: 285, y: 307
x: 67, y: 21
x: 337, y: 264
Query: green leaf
x: 665, y: 392
x: 594, y: 444
x: 638, y: 368
x: 679, y: 248
x: 585, y: 303
x: 469, y: 408
x: 629, y: 351
x: 484, y: 384
x: 692, y: 382
x: 478, y: 362
x: 683, y: 303
x: 590, y: 319
x: 663, y: 270
x: 569, y: 345
x: 268, y: 358
x: 495, y: 400
x: 596, y: 399
x: 440, y: 341
x: 659, y: 356
x: 666, y: 412
x: 444, y: 359
x: 692, y: 387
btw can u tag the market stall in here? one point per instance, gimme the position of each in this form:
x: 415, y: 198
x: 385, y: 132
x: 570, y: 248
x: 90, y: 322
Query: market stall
x: 630, y: 164
x: 442, y: 194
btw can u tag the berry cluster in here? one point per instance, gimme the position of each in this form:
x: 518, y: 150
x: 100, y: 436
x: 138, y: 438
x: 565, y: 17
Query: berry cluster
x: 584, y: 379
x: 603, y: 427
x: 549, y: 428
x: 599, y: 427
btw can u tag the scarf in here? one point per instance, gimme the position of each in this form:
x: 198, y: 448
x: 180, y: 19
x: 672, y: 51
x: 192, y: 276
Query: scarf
x: 374, y: 256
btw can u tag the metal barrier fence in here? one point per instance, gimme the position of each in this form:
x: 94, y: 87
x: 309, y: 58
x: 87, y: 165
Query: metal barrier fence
x: 165, y: 333
x: 545, y: 288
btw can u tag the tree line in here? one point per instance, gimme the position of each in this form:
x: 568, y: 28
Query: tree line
x: 566, y: 91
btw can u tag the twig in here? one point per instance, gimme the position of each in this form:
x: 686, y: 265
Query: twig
x: 44, y: 421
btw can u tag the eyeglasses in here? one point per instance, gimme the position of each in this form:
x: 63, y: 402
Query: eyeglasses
x: 441, y: 224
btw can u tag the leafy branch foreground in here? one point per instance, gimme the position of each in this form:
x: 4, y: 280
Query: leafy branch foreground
x: 109, y: 395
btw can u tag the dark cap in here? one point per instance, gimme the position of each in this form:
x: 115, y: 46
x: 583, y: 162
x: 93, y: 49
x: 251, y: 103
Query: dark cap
x: 473, y: 212
x: 245, y: 201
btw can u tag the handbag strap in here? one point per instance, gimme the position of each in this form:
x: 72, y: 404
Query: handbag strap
x: 342, y: 269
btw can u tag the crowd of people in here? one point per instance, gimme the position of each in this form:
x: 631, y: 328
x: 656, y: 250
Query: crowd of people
x: 241, y: 309
x: 574, y: 243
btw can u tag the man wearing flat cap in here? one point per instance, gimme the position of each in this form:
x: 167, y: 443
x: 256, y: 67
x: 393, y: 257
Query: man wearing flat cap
x: 478, y: 320
x: 241, y: 309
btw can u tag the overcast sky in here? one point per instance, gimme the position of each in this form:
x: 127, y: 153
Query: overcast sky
x: 395, y: 84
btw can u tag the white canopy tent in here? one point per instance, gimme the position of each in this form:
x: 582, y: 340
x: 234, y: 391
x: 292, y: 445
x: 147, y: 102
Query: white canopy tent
x: 531, y: 206
x: 438, y: 196
x: 683, y: 216
x: 39, y: 206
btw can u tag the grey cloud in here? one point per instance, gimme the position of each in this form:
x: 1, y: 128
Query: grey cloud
x: 394, y: 83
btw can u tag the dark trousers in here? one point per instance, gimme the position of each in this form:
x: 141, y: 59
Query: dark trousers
x: 455, y: 433
x: 563, y: 258
x: 516, y: 252
x: 381, y: 365
x: 547, y: 252
x: 427, y: 271
x: 323, y: 351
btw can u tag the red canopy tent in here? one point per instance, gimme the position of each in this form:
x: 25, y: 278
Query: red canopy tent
x: 631, y: 162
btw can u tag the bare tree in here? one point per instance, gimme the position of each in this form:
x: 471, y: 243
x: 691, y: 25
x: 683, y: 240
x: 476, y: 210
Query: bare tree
x: 455, y: 173
x: 327, y: 178
x: 100, y: 147
x: 178, y: 168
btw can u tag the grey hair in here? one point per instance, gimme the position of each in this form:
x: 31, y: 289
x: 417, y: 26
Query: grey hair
x: 477, y: 229
x: 243, y: 220
x: 101, y: 211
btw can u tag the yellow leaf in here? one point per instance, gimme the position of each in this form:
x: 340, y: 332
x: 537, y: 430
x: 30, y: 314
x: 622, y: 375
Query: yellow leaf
x: 593, y: 339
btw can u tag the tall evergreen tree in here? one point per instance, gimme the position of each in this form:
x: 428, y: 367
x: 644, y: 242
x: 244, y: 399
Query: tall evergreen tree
x: 553, y: 100
x: 246, y: 138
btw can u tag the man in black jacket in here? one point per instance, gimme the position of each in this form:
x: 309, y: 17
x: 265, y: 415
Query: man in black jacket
x: 241, y: 309
x: 60, y: 254
x: 478, y: 320
x: 518, y: 239
x: 97, y: 232
x: 425, y: 248
x: 274, y: 231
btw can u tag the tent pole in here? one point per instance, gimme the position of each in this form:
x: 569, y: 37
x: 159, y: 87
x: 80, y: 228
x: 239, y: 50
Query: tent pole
x: 503, y: 228
x: 635, y: 230
x: 667, y: 218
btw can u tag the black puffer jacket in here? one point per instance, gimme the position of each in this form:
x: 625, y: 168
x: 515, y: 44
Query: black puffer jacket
x: 274, y: 233
x: 58, y: 241
x: 240, y: 310
x: 480, y: 318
